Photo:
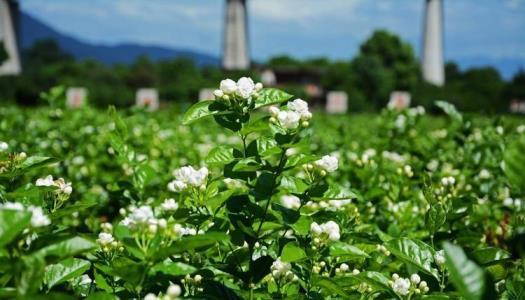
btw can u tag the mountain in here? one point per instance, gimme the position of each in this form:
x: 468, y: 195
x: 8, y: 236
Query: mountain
x: 32, y: 30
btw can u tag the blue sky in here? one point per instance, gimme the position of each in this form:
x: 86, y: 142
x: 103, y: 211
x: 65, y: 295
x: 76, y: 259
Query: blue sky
x: 303, y: 28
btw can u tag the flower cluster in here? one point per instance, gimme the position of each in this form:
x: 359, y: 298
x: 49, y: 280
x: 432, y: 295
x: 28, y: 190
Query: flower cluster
x: 404, y: 286
x: 169, y: 205
x: 38, y: 218
x: 106, y: 240
x: 62, y: 186
x: 281, y: 270
x: 448, y: 181
x: 325, y: 232
x: 297, y: 113
x: 244, y: 88
x: 187, y: 177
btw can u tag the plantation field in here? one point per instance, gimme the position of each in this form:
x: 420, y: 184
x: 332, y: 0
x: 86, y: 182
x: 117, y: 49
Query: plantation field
x: 227, y: 200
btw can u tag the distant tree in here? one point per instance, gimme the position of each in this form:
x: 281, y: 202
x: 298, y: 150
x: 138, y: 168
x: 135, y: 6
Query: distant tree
x: 482, y: 90
x: 516, y: 87
x: 45, y: 52
x: 283, y: 61
x: 384, y: 63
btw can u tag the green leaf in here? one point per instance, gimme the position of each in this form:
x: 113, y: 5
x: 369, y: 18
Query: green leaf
x: 514, y: 162
x: 220, y: 155
x: 435, y: 217
x: 332, y: 192
x: 271, y: 96
x: 67, y: 248
x: 414, y: 252
x: 375, y: 279
x: 198, y: 111
x: 30, y: 163
x: 467, y: 277
x: 489, y: 255
x: 450, y: 110
x: 188, y: 243
x: 65, y: 270
x: 12, y: 223
x: 343, y: 249
x: 292, y: 252
x: 32, y: 274
x: 293, y: 184
x: 247, y: 165
x: 328, y: 285
x: 172, y: 268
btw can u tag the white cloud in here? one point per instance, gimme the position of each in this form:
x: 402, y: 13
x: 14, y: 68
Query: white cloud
x: 301, y: 11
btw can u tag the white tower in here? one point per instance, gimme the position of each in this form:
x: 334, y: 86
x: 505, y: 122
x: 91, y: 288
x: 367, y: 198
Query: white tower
x: 235, y: 54
x: 8, y: 36
x: 432, y: 62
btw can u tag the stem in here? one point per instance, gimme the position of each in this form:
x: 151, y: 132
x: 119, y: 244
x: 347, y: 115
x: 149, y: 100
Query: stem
x: 277, y: 173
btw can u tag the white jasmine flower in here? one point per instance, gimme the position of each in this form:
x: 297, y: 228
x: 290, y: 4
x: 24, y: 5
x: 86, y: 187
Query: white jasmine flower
x: 85, y: 280
x: 228, y: 86
x: 301, y: 107
x: 105, y: 239
x: 289, y: 119
x: 174, y: 291
x: 439, y: 257
x: 415, y: 279
x: 3, y: 146
x: 218, y: 93
x: 141, y: 216
x: 315, y: 229
x: 151, y: 296
x: 169, y: 205
x: 47, y: 181
x: 188, y: 176
x: 12, y: 206
x: 328, y: 230
x: 401, y: 286
x: 38, y: 218
x: 177, y: 186
x: 63, y: 186
x: 245, y: 87
x: 328, y: 163
x: 400, y: 122
x: 279, y: 268
x: 274, y: 110
x: 344, y: 267
x: 291, y: 202
x: 446, y: 181
x: 484, y: 174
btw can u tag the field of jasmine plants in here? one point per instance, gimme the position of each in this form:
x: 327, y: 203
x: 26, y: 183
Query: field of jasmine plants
x: 253, y: 196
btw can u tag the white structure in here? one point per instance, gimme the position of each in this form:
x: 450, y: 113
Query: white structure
x: 206, y: 94
x: 147, y: 98
x: 517, y: 106
x: 76, y: 97
x: 236, y: 53
x: 399, y: 100
x: 336, y: 102
x: 268, y: 77
x: 433, y: 61
x: 8, y: 36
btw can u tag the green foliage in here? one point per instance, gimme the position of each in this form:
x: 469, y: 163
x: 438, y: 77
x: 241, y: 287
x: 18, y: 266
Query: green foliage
x: 262, y: 213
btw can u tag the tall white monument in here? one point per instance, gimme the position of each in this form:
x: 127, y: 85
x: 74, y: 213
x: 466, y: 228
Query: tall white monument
x: 432, y: 62
x: 235, y: 53
x: 8, y: 36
